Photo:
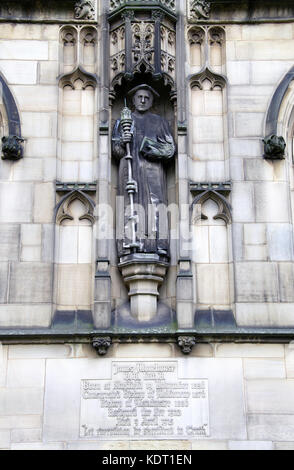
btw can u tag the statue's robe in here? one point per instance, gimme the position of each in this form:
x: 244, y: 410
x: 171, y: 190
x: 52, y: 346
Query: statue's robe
x: 149, y: 173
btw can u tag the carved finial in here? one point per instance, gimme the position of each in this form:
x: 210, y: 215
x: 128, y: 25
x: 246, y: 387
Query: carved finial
x: 186, y: 343
x: 101, y: 344
x: 200, y: 9
x: 274, y: 147
x: 84, y: 10
x: 12, y: 148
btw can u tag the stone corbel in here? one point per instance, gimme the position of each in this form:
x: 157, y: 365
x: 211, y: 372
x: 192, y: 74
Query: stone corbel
x: 186, y: 343
x: 274, y: 147
x: 12, y: 148
x: 101, y: 344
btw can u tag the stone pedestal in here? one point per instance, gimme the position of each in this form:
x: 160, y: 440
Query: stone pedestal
x: 143, y: 274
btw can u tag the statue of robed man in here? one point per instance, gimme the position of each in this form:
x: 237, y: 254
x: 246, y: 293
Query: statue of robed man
x: 151, y: 146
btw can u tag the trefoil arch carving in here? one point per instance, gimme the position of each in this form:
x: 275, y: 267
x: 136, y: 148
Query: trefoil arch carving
x: 206, y: 75
x: 63, y: 210
x: 217, y: 192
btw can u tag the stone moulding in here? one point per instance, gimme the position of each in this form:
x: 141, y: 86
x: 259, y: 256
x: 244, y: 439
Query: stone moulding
x: 218, y: 193
x: 116, y: 4
x: 216, y: 80
x: 11, y: 148
x: 271, y: 122
x: 69, y: 79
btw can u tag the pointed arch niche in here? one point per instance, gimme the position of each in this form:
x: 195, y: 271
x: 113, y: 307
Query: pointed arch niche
x: 77, y: 123
x: 212, y: 251
x: 74, y: 252
x: 208, y: 127
x: 77, y: 140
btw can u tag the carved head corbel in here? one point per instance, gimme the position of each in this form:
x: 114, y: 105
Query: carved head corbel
x: 12, y: 148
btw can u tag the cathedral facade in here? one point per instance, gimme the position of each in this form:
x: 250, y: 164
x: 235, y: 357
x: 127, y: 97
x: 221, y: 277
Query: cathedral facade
x: 146, y: 224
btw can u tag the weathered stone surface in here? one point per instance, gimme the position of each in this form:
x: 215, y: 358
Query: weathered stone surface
x: 3, y: 281
x: 265, y: 314
x: 243, y: 202
x: 44, y: 202
x: 257, y: 282
x: 21, y: 422
x: 250, y: 445
x: 264, y: 368
x: 284, y: 445
x: 24, y: 50
x: 280, y: 242
x: 270, y: 396
x: 3, y: 364
x: 271, y: 427
x: 26, y: 435
x: 249, y: 350
x: 21, y: 401
x: 143, y: 350
x: 38, y: 351
x: 26, y: 315
x: 38, y: 446
x: 271, y: 201
x: 209, y: 445
x: 4, y: 439
x: 15, y: 202
x: 30, y: 282
x: 24, y: 373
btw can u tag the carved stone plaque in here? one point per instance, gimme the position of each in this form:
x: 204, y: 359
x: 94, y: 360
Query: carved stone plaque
x: 144, y: 400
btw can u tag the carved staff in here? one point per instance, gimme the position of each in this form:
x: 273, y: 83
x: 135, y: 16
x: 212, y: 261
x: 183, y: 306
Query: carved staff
x: 131, y: 186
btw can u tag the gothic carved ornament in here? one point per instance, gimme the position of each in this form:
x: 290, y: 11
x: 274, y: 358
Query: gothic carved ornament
x: 84, y: 10
x: 12, y: 148
x: 114, y: 4
x: 200, y: 9
x: 102, y: 344
x: 217, y: 192
x: 186, y: 343
x: 274, y: 147
x: 63, y: 209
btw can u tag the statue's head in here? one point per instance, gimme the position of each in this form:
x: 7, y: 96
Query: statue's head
x: 143, y: 100
x: 143, y: 96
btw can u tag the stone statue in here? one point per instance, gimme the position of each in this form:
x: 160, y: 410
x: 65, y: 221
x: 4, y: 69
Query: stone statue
x: 151, y: 146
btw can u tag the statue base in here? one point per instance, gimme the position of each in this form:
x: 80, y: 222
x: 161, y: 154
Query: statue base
x: 143, y: 273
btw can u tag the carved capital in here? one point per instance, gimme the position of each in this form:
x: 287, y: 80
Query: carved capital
x: 84, y: 10
x: 128, y: 15
x: 186, y: 343
x: 274, y: 147
x: 157, y: 15
x: 101, y: 344
x: 12, y: 148
x: 200, y: 9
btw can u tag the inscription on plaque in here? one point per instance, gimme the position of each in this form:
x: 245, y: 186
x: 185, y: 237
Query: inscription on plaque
x: 144, y: 400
